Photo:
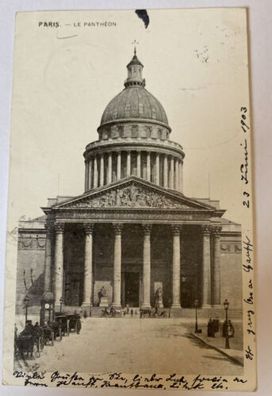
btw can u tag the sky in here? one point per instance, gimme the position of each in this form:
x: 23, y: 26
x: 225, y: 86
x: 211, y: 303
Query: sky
x: 195, y: 64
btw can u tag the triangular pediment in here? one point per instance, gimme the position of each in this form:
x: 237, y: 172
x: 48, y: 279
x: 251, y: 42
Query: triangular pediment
x: 133, y: 193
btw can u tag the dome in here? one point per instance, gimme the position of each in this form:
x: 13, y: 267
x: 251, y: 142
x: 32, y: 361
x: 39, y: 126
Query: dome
x: 134, y: 102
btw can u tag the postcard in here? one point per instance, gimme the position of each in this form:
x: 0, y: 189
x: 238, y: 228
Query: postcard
x: 130, y: 252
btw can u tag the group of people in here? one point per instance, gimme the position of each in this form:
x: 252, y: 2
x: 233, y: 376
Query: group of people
x: 37, y: 335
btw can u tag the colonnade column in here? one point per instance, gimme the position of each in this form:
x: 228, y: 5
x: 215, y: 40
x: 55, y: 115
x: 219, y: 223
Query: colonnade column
x: 171, y: 181
x: 128, y: 164
x: 146, y: 266
x: 176, y: 174
x: 180, y: 177
x: 138, y: 164
x: 101, y: 170
x: 95, y: 173
x: 109, y: 168
x: 90, y: 174
x: 206, y: 290
x: 165, y: 170
x: 157, y: 169
x: 117, y: 256
x: 86, y: 175
x: 88, y: 266
x: 216, y: 300
x: 58, y: 284
x: 176, y: 267
x: 148, y: 167
x: 48, y: 257
x: 119, y: 165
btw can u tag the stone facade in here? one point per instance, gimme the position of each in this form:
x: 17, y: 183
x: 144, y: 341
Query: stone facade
x: 133, y: 234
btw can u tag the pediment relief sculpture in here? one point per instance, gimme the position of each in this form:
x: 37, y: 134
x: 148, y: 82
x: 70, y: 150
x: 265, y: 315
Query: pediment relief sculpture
x: 131, y: 196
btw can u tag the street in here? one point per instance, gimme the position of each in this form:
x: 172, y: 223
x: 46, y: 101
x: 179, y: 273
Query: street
x: 134, y: 346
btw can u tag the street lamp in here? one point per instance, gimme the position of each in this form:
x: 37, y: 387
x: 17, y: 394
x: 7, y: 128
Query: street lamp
x: 26, y: 303
x: 47, y: 308
x: 61, y: 303
x: 196, y: 323
x: 226, y: 307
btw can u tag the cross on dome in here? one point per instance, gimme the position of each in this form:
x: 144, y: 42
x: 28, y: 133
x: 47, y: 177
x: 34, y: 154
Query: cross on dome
x: 135, y: 43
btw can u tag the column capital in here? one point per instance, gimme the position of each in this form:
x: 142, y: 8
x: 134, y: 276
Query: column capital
x: 117, y: 228
x: 88, y: 228
x: 59, y: 228
x: 176, y: 229
x: 206, y: 229
x: 147, y: 228
x: 216, y: 230
x: 49, y: 227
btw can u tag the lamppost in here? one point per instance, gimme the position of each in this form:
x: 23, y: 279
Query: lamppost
x: 196, y: 323
x: 47, y: 308
x: 61, y: 303
x: 26, y: 303
x: 226, y: 306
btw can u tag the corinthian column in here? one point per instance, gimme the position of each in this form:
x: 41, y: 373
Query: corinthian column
x: 176, y: 268
x: 146, y: 266
x: 90, y: 174
x: 176, y: 175
x: 180, y: 177
x: 165, y: 172
x: 117, y: 257
x: 48, y: 257
x: 128, y: 164
x: 86, y: 175
x: 95, y: 173
x: 109, y: 168
x: 58, y: 286
x: 138, y: 164
x: 148, y: 167
x: 119, y: 165
x: 101, y: 170
x: 206, y: 296
x: 157, y: 169
x: 171, y: 181
x: 216, y: 300
x: 88, y: 266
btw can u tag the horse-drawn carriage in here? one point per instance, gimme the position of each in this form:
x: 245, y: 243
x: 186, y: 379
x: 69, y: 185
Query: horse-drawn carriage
x: 30, y: 337
x: 74, y: 323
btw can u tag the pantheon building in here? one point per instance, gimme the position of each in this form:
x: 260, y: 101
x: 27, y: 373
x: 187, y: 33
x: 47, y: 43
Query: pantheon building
x: 133, y: 231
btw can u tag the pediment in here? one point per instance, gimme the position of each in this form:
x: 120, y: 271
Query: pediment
x: 133, y: 193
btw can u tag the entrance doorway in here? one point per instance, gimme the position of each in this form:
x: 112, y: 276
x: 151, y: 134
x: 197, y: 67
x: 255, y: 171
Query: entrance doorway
x: 73, y: 289
x: 132, y: 287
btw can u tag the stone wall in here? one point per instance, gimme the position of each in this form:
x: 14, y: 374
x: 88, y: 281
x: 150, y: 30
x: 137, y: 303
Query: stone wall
x: 231, y: 270
x: 30, y: 269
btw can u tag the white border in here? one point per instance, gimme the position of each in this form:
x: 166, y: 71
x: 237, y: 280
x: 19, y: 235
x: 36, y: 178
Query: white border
x: 261, y: 65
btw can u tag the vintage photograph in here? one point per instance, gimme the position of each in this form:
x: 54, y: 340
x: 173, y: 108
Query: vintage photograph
x: 130, y: 239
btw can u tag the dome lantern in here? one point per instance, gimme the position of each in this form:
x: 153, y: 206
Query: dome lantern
x: 135, y: 68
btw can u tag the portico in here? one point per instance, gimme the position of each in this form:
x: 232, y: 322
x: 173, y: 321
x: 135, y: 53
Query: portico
x: 132, y: 250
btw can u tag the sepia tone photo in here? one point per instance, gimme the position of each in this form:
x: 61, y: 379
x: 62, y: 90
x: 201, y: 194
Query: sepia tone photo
x: 130, y: 248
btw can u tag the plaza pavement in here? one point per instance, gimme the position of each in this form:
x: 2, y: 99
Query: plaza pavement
x: 134, y: 346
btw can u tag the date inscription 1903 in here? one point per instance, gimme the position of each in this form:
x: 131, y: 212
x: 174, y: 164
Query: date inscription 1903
x: 244, y: 167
